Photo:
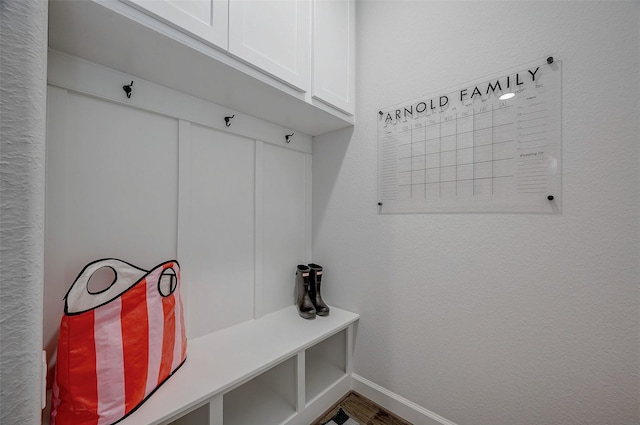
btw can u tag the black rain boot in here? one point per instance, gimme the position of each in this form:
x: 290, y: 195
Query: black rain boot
x: 303, y: 302
x: 316, y: 297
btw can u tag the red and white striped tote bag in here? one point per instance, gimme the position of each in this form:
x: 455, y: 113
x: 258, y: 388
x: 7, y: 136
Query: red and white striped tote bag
x: 117, y: 346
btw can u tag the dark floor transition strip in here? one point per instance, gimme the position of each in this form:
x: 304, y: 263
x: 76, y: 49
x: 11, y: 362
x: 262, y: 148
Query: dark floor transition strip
x: 361, y: 410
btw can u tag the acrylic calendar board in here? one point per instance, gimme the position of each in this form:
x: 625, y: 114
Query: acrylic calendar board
x: 475, y: 149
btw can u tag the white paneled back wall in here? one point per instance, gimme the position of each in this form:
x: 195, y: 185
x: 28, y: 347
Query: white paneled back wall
x: 286, y: 230
x: 217, y: 227
x: 159, y: 176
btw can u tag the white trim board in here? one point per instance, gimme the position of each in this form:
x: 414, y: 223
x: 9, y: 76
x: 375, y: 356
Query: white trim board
x: 399, y: 405
x: 258, y: 259
x: 79, y: 75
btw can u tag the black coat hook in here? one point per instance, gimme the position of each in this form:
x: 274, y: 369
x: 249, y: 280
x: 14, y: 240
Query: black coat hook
x: 227, y: 120
x: 288, y: 137
x: 127, y: 89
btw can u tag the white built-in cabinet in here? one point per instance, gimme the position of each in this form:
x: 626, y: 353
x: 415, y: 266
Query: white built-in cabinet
x: 208, y: 161
x: 306, y: 44
x: 160, y: 176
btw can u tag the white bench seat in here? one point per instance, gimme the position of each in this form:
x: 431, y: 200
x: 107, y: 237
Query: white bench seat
x: 221, y: 361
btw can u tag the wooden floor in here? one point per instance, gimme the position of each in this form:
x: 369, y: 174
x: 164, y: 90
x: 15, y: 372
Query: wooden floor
x: 363, y: 411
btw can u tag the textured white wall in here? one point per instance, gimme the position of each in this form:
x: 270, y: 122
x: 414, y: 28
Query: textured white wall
x: 23, y: 72
x: 495, y: 319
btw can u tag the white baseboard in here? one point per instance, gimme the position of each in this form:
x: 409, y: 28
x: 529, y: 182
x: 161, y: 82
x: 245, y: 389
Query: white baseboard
x: 396, y: 404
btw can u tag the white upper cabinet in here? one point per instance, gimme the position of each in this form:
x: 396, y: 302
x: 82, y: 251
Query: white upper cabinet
x: 333, y: 53
x: 289, y: 62
x: 273, y: 35
x: 204, y: 19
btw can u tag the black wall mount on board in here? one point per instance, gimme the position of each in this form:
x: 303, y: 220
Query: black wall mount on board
x: 128, y: 88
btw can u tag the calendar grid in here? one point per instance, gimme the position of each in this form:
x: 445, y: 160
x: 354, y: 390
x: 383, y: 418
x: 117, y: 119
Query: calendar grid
x: 412, y: 141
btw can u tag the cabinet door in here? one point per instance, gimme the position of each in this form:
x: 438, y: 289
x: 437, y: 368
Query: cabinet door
x: 273, y: 35
x: 204, y: 19
x: 333, y: 53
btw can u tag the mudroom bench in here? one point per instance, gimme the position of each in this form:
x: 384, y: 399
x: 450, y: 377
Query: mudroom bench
x: 279, y: 369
